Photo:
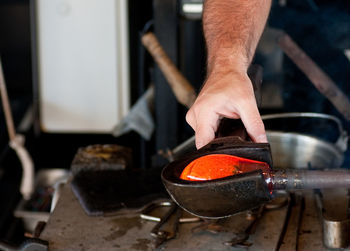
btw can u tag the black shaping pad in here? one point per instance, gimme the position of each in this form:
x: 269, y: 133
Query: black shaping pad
x: 108, y: 192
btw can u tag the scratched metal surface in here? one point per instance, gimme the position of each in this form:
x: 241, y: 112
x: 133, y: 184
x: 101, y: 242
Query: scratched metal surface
x: 69, y: 228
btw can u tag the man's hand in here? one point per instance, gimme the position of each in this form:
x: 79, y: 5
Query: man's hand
x: 225, y: 94
x: 232, y: 29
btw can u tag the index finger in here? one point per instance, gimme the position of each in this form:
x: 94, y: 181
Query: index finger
x: 253, y: 123
x: 206, y: 126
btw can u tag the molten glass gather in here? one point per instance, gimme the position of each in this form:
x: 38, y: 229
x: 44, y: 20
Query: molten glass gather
x: 216, y: 166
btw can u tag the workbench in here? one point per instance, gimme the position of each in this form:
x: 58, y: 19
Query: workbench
x: 70, y: 228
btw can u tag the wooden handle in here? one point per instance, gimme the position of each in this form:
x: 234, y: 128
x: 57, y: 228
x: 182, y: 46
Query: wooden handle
x: 182, y: 89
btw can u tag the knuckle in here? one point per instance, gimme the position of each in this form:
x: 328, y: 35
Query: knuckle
x: 244, y: 99
x: 189, y: 117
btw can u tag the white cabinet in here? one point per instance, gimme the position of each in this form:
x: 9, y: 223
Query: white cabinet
x: 83, y: 64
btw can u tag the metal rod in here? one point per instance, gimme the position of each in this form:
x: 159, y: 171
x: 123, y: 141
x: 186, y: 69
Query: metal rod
x: 310, y: 179
x: 315, y: 74
x: 155, y: 232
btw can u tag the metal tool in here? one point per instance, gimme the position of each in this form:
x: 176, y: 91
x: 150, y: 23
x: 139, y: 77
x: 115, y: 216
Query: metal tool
x: 146, y: 212
x: 222, y: 197
x: 241, y: 226
x: 240, y: 240
x: 163, y: 235
x: 230, y: 195
x: 166, y: 227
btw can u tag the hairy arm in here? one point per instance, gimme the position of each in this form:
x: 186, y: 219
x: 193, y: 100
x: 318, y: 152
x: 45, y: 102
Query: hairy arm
x: 232, y: 29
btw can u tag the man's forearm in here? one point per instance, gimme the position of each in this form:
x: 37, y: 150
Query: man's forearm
x: 232, y: 29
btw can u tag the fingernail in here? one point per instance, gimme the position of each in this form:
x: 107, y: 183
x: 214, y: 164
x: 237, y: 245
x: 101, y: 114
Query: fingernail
x: 261, y: 139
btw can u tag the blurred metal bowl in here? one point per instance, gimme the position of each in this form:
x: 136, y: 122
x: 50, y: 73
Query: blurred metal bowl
x: 295, y: 150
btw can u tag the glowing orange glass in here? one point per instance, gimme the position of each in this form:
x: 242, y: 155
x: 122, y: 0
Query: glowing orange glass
x: 216, y: 166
